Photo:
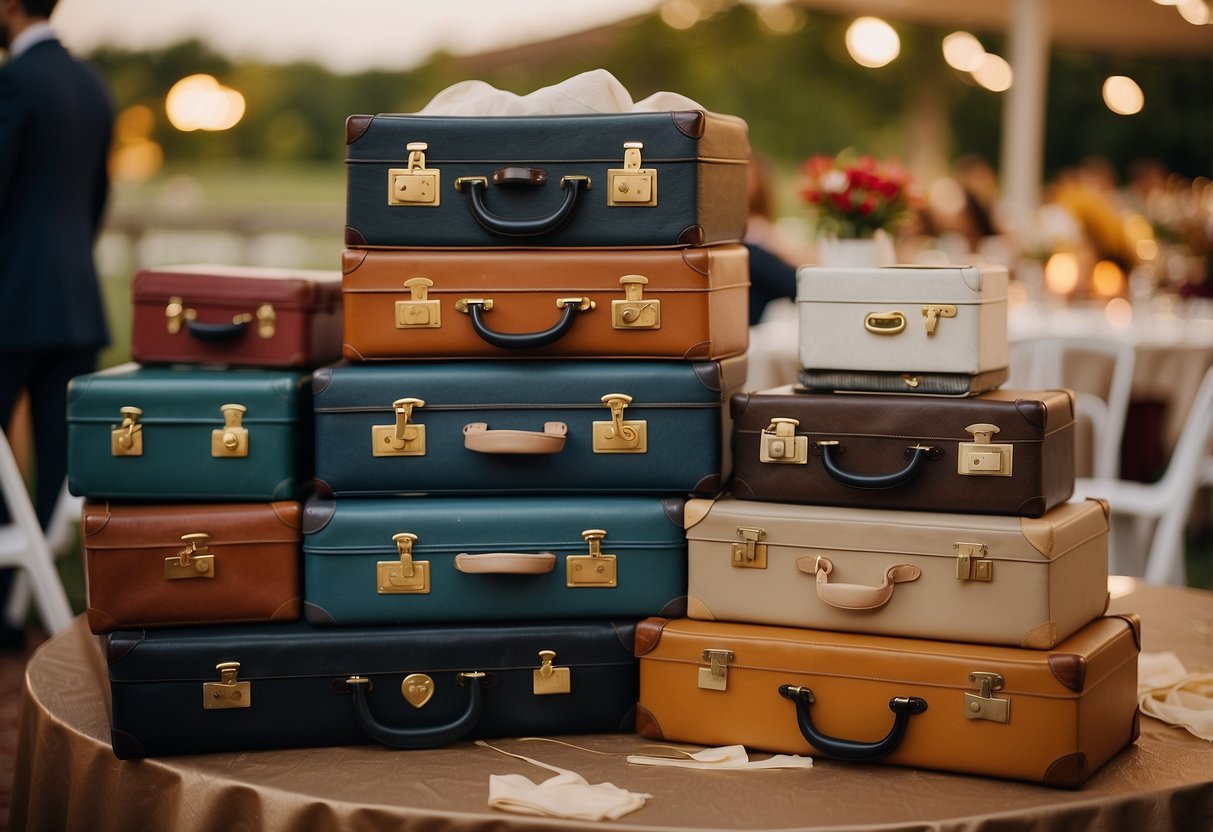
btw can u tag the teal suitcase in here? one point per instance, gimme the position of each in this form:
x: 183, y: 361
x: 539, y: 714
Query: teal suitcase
x: 523, y: 427
x: 412, y: 560
x: 189, y: 433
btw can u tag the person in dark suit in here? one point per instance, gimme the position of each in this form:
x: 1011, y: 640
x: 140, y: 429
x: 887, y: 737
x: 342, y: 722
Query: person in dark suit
x: 55, y: 129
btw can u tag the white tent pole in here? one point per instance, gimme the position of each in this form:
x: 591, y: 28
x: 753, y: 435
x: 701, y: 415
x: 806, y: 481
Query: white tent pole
x: 1023, y: 112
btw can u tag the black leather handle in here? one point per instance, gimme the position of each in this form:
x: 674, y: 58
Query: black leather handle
x: 918, y: 455
x: 903, y: 707
x: 426, y: 737
x: 522, y: 340
x: 215, y: 332
x: 474, y: 188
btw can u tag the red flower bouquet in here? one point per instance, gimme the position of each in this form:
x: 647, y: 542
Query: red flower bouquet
x: 855, y: 196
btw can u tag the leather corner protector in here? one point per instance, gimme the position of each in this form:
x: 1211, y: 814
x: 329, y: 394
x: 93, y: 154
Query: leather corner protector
x: 94, y: 518
x: 1068, y: 772
x: 1041, y: 637
x: 694, y: 510
x: 318, y: 512
x: 1107, y: 509
x: 352, y: 259
x: 348, y: 350
x: 648, y: 634
x: 355, y: 126
x: 646, y: 724
x: 1134, y: 622
x: 1032, y: 507
x: 117, y: 649
x: 1136, y: 732
x: 690, y: 123
x: 741, y: 489
x: 676, y: 607
x: 314, y: 614
x: 675, y: 510
x: 737, y: 404
x: 692, y: 235
x: 698, y: 260
x: 322, y: 489
x: 625, y: 631
x: 708, y: 486
x: 701, y: 351
x: 126, y: 746
x: 100, y: 621
x: 288, y: 610
x: 353, y: 237
x: 1069, y: 669
x: 698, y: 610
x: 288, y: 513
x: 708, y: 374
x: 321, y: 378
x: 1040, y: 533
x: 1034, y: 412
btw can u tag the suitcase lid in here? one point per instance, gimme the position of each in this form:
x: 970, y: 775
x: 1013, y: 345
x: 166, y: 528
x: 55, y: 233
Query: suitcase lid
x: 297, y: 650
x: 1073, y: 667
x: 238, y: 286
x: 902, y: 284
x: 481, y: 525
x: 107, y: 525
x: 819, y: 530
x: 185, y: 395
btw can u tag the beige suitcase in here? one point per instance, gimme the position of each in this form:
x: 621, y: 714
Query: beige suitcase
x: 955, y: 577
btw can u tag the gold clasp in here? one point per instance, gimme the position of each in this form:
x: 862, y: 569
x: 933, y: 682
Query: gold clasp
x: 231, y: 440
x: 548, y: 679
x: 934, y: 311
x: 983, y: 704
x: 417, y: 688
x: 403, y: 576
x: 415, y: 184
x: 632, y: 184
x: 583, y: 304
x: 779, y: 443
x: 750, y: 553
x: 418, y: 312
x: 227, y: 692
x: 194, y: 561
x: 405, y: 438
x: 127, y: 438
x: 594, y: 569
x: 972, y: 563
x: 981, y: 457
x: 620, y: 436
x: 267, y: 320
x: 716, y: 675
x: 175, y: 315
x: 634, y: 312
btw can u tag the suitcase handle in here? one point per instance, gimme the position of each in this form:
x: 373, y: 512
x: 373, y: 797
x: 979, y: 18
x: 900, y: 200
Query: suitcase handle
x: 477, y: 437
x: 856, y: 596
x: 918, y: 455
x: 474, y: 187
x: 903, y: 707
x: 215, y: 332
x: 426, y: 737
x: 505, y: 563
x: 476, y: 307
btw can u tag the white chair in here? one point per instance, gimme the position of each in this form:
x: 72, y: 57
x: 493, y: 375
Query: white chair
x: 1042, y: 363
x: 1164, y: 504
x: 62, y: 536
x: 24, y: 546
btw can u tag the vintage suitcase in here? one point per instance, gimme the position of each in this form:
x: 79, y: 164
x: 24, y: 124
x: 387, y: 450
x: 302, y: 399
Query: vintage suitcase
x: 903, y: 329
x: 1018, y: 581
x: 189, y: 434
x: 246, y: 688
x: 1049, y: 716
x: 434, y: 559
x: 1002, y: 452
x: 586, y: 427
x: 150, y: 565
x: 242, y: 316
x: 590, y: 303
x: 655, y: 179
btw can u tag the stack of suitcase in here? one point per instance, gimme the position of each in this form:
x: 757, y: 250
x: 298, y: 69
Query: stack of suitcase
x: 898, y: 539
x: 543, y: 319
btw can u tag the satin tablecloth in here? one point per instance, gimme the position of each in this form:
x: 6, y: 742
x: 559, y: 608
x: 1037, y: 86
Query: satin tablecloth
x: 68, y: 778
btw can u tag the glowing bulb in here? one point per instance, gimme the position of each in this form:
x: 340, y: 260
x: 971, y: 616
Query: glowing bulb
x: 994, y: 73
x: 679, y: 14
x: 872, y: 43
x: 199, y: 102
x: 1107, y: 280
x: 1061, y: 273
x: 1196, y: 12
x: 1122, y: 95
x: 1119, y: 313
x: 963, y: 51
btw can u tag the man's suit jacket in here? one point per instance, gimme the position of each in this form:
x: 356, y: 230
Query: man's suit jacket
x: 55, y: 128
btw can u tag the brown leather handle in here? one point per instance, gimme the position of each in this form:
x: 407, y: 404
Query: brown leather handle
x: 856, y: 596
x: 505, y: 563
x: 477, y: 437
x: 519, y: 175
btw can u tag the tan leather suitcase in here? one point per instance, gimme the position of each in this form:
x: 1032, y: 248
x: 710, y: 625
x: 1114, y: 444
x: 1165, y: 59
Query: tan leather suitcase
x: 1003, y: 452
x: 588, y: 303
x: 1048, y: 716
x: 186, y: 564
x: 957, y: 577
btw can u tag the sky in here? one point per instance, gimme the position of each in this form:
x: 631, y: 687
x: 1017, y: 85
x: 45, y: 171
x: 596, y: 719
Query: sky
x: 344, y: 35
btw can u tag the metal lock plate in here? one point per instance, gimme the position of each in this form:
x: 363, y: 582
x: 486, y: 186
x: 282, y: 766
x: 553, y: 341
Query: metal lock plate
x: 231, y: 440
x: 983, y: 704
x: 404, y: 576
x: 620, y: 436
x: 780, y: 444
x: 227, y: 692
x: 983, y: 458
x: 416, y: 184
x: 405, y: 438
x: 634, y: 311
x: 194, y: 561
x: 417, y: 689
x: 632, y: 185
x: 419, y: 312
x: 127, y: 438
x: 972, y: 563
x: 716, y: 675
x: 594, y: 569
x: 750, y: 553
x: 546, y: 679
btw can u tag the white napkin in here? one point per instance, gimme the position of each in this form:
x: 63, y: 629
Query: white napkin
x: 725, y: 758
x: 1167, y: 691
x: 596, y: 91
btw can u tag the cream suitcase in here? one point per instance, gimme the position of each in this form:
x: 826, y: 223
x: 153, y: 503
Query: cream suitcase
x: 903, y: 329
x: 954, y: 577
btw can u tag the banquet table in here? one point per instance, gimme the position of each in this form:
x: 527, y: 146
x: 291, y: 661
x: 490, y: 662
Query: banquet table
x: 67, y: 776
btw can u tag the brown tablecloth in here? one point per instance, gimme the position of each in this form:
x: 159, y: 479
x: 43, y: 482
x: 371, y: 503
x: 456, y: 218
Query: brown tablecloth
x: 68, y: 778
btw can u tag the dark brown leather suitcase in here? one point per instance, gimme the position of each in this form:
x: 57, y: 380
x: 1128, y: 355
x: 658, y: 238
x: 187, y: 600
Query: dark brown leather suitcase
x: 590, y: 303
x: 1003, y: 452
x: 239, y: 315
x: 186, y: 564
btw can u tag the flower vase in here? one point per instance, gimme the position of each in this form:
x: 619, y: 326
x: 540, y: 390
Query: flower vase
x: 856, y: 252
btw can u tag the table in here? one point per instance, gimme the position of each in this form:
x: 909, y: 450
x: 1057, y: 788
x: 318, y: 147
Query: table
x: 68, y: 778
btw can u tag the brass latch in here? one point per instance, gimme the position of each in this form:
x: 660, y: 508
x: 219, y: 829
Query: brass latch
x: 632, y: 184
x: 405, y: 438
x: 418, y: 312
x: 983, y: 704
x: 548, y: 679
x: 175, y: 315
x: 933, y: 312
x: 634, y: 312
x: 266, y: 317
x: 981, y: 458
x: 716, y: 675
x: 231, y: 440
x: 750, y: 553
x: 620, y: 436
x: 781, y: 444
x: 395, y: 577
x: 416, y: 184
x: 972, y: 563
x: 194, y: 561
x: 594, y: 569
x: 227, y: 692
x: 417, y: 688
x: 127, y: 438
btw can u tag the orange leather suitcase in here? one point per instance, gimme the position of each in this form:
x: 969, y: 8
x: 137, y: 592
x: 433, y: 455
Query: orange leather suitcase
x: 687, y: 304
x: 1048, y: 716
